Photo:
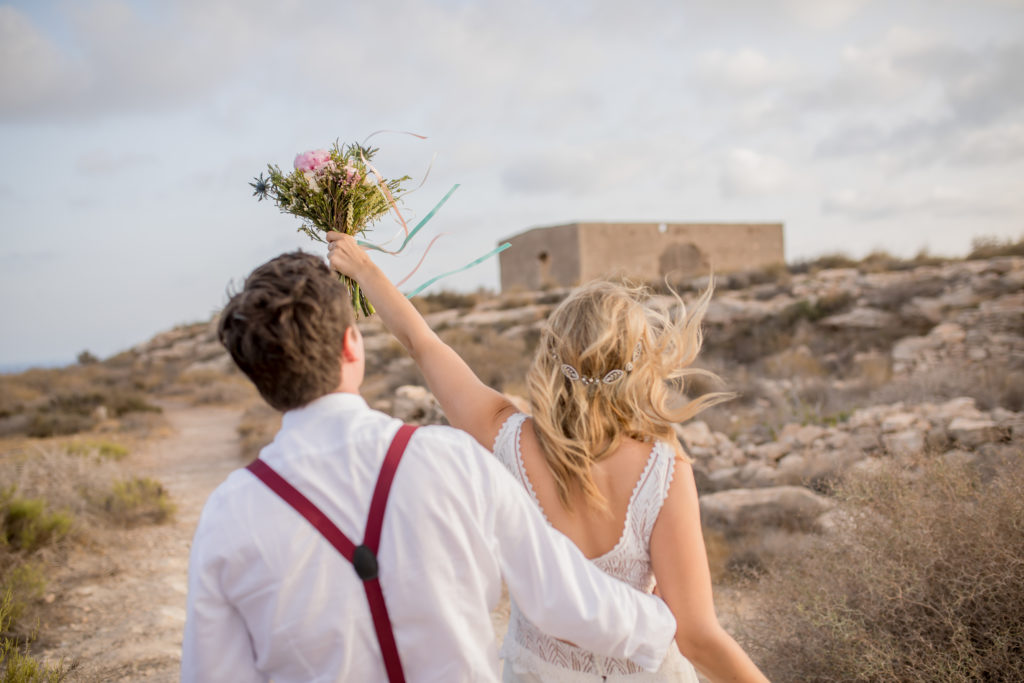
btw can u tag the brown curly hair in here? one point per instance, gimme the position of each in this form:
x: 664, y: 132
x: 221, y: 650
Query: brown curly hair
x: 285, y: 329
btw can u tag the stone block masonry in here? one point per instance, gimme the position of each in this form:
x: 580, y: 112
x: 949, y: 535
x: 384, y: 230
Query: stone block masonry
x: 568, y: 255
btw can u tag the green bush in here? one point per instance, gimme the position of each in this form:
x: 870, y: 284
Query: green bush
x: 922, y: 581
x: 103, y: 450
x: 43, y: 425
x: 28, y: 526
x: 137, y: 500
x: 17, y: 665
x: 24, y: 583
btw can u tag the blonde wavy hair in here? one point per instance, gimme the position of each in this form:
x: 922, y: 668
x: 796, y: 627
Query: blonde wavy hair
x: 599, y: 328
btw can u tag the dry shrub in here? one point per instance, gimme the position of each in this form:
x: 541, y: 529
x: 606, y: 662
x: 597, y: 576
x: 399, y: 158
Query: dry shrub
x: 823, y: 262
x: 747, y: 341
x: 62, y: 479
x: 17, y: 665
x: 256, y: 428
x: 100, y: 450
x: 227, y: 391
x: 795, y: 362
x: 497, y: 360
x: 895, y: 296
x: 92, y: 490
x: 54, y: 495
x: 28, y: 524
x: 997, y: 384
x: 70, y: 400
x: 922, y: 581
x: 992, y: 247
x: 134, y: 501
x: 873, y: 369
x: 445, y: 300
x: 72, y: 413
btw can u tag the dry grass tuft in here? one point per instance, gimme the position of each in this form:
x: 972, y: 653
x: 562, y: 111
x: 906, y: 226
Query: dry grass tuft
x: 134, y: 501
x: 17, y: 665
x: 923, y: 581
x: 991, y: 247
x: 256, y: 428
x: 59, y: 494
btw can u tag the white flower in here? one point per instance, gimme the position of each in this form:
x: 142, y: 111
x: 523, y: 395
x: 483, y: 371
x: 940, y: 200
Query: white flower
x: 311, y: 181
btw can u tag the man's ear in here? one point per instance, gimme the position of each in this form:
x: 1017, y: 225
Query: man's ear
x: 350, y: 345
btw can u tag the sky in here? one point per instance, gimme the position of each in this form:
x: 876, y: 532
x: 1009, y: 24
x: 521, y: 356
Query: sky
x: 131, y: 129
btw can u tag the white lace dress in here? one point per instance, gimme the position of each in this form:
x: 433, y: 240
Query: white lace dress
x: 529, y: 654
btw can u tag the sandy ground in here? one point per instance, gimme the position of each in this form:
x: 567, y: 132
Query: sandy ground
x: 119, y: 609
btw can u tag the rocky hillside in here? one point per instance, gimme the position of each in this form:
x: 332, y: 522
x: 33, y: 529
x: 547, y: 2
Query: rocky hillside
x: 836, y: 369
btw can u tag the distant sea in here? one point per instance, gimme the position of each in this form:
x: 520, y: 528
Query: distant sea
x: 13, y: 368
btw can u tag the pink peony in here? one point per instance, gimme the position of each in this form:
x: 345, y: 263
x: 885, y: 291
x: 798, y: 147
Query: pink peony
x: 312, y: 160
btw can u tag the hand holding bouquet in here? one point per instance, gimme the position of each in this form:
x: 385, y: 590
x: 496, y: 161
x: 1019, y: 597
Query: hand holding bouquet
x: 336, y: 189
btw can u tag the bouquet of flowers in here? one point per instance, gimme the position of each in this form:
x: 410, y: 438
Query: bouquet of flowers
x: 335, y: 189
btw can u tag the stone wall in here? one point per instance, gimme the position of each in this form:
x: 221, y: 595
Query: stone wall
x: 542, y: 258
x: 566, y: 255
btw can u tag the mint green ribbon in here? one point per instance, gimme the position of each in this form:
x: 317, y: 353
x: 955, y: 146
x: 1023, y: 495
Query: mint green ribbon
x: 469, y: 265
x: 412, y: 233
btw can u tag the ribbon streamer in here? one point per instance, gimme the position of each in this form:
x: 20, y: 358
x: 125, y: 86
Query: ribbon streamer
x: 412, y: 233
x: 420, y: 262
x: 469, y: 265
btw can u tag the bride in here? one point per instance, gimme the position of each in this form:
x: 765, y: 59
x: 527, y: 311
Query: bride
x: 598, y: 455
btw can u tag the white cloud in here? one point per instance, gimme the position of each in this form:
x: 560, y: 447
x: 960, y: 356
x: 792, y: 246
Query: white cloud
x: 1001, y: 143
x: 33, y: 71
x: 824, y: 14
x: 576, y: 170
x: 745, y: 69
x: 750, y: 174
x: 891, y: 202
x: 877, y: 74
x: 104, y: 162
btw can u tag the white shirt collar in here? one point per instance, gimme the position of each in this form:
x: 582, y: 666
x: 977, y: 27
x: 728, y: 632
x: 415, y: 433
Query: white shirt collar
x: 329, y: 403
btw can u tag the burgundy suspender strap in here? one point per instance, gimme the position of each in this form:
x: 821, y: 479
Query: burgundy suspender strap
x: 363, y: 557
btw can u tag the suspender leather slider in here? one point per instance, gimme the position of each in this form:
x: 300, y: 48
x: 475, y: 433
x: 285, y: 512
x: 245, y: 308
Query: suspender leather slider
x: 365, y: 562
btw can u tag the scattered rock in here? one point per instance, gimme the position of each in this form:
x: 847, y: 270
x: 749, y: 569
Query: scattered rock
x: 783, y: 506
x: 416, y: 405
x: 972, y: 432
x: 905, y: 442
x: 696, y: 434
x: 862, y: 318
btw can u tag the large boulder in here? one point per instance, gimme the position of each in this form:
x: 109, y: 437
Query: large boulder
x: 973, y: 432
x: 735, y: 510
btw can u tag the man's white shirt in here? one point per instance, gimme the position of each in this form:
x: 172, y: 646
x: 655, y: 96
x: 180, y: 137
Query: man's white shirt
x: 269, y: 597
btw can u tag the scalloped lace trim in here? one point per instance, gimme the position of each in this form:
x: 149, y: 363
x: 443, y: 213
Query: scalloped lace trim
x: 511, y: 422
x: 674, y: 669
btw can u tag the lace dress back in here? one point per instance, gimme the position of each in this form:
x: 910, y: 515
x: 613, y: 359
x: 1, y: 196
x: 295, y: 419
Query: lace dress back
x: 533, y: 654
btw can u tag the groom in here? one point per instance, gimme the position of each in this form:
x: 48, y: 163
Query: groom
x: 270, y: 598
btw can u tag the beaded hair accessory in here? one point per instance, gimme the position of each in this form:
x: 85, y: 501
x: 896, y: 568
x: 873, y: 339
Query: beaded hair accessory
x: 573, y: 375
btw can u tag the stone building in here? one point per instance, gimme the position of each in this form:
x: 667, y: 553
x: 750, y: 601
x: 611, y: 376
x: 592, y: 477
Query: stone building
x: 567, y: 255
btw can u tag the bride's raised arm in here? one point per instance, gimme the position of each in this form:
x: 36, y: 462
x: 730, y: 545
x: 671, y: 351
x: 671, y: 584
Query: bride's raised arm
x: 468, y: 403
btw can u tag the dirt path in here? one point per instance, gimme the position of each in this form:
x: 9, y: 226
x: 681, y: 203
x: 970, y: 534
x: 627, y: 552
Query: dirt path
x: 121, y: 606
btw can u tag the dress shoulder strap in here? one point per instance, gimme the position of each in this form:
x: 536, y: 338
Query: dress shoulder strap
x: 652, y: 489
x: 506, y: 444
